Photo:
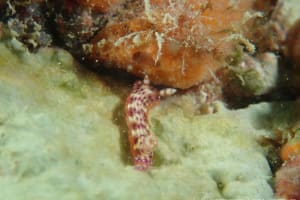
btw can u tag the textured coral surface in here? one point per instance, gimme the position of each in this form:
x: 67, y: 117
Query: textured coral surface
x: 63, y: 133
x: 176, y: 43
x: 63, y: 136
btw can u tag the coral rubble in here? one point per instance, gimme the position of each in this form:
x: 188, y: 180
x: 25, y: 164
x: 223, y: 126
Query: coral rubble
x: 27, y: 22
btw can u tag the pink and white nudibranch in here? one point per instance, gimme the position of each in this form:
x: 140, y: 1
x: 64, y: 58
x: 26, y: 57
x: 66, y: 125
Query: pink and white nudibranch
x: 142, y: 141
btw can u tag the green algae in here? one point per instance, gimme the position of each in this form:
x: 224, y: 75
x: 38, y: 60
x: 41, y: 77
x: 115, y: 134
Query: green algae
x: 63, y: 136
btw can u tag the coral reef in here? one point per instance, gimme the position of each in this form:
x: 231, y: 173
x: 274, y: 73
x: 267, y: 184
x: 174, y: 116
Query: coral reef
x: 76, y: 25
x: 75, y: 120
x: 27, y: 23
x: 269, y: 30
x: 75, y: 117
x: 189, y: 40
x: 252, y: 76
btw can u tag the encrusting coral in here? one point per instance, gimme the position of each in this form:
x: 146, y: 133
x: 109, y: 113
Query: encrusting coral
x: 177, y: 44
x: 69, y: 115
x: 27, y: 23
x: 174, y: 43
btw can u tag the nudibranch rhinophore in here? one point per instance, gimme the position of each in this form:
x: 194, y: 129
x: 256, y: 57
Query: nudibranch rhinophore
x: 142, y: 141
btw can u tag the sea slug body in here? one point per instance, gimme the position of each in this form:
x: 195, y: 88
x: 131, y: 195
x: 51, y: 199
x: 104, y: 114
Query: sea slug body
x: 142, y: 141
x: 287, y: 179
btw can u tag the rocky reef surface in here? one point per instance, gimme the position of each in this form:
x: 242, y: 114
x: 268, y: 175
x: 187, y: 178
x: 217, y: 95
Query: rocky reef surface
x: 63, y: 135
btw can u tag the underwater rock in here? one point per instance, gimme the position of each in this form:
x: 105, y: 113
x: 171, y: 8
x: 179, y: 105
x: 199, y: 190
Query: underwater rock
x: 63, y: 136
x: 251, y: 76
x: 27, y: 22
x: 269, y: 30
x: 76, y: 24
x: 178, y: 44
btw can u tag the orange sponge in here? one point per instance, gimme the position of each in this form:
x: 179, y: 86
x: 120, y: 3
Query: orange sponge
x: 290, y: 149
x: 177, y: 44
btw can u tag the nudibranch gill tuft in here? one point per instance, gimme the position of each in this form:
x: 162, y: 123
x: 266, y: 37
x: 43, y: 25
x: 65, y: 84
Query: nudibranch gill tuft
x: 142, y: 141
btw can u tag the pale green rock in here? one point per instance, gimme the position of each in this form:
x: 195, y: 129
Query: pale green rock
x: 63, y: 136
x: 291, y: 10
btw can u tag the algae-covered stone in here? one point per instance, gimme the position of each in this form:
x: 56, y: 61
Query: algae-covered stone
x: 60, y: 139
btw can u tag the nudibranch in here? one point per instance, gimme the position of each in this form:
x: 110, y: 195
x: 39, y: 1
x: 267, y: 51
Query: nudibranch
x: 287, y: 184
x: 142, y: 140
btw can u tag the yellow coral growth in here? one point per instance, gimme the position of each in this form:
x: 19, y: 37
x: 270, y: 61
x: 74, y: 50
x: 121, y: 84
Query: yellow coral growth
x: 176, y: 43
